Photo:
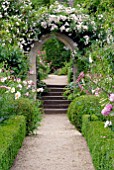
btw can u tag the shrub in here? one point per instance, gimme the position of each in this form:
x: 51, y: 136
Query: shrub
x: 12, y: 133
x: 15, y: 59
x: 6, y: 105
x: 101, y: 143
x: 30, y: 109
x: 83, y: 105
x: 70, y: 75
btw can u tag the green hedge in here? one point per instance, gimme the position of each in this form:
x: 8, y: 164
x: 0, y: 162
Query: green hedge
x: 83, y: 105
x: 101, y: 143
x: 30, y: 109
x: 12, y: 133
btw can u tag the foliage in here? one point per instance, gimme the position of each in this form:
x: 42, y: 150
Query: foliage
x: 12, y: 133
x: 31, y: 110
x: 37, y: 4
x: 6, y: 106
x: 100, y: 9
x: 42, y: 66
x: 83, y: 105
x: 70, y: 75
x: 72, y: 91
x: 15, y: 60
x: 64, y: 69
x: 101, y: 67
x: 101, y: 143
x: 56, y: 53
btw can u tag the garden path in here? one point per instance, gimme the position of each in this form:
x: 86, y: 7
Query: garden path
x: 57, y: 145
x: 56, y: 80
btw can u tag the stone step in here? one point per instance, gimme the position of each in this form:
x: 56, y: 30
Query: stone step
x: 56, y: 102
x: 53, y: 98
x: 55, y: 86
x: 58, y: 106
x: 55, y: 111
x: 56, y: 90
x: 53, y: 94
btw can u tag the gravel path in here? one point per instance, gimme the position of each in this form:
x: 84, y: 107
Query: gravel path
x: 56, y: 146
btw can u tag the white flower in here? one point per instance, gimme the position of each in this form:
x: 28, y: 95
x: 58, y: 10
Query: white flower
x: 27, y: 94
x: 67, y: 29
x: 18, y: 80
x: 108, y: 123
x: 20, y: 86
x: 12, y: 90
x: 0, y: 70
x: 85, y: 27
x: 33, y: 90
x: 79, y: 27
x: 90, y: 59
x: 93, y: 91
x: 30, y: 82
x: 3, y: 79
x: 17, y: 95
x: 86, y: 37
x: 66, y: 24
x: 62, y: 28
x: 44, y: 24
x: 62, y: 17
x: 24, y: 83
x: 54, y: 27
x: 29, y: 86
x: 40, y: 89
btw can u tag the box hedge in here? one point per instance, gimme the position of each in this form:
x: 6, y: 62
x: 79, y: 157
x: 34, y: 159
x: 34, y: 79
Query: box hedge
x: 12, y: 133
x: 83, y: 105
x: 100, y: 141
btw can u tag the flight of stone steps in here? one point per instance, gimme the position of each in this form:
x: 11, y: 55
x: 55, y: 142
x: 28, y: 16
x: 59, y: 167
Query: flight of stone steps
x: 53, y: 101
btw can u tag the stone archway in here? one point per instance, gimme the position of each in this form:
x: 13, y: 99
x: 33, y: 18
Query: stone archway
x: 38, y: 46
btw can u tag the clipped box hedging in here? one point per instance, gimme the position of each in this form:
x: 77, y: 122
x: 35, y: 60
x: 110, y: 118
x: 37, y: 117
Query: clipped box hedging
x: 86, y: 104
x: 12, y: 133
x: 100, y: 142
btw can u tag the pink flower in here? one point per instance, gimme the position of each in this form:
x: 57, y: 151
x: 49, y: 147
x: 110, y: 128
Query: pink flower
x: 27, y: 94
x: 80, y: 86
x: 39, y: 52
x: 111, y: 97
x: 81, y: 76
x: 107, y: 109
x: 31, y: 72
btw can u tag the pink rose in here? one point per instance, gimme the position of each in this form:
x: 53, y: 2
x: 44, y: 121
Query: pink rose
x: 111, y: 97
x: 107, y: 109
